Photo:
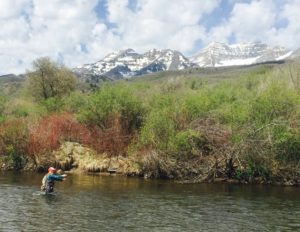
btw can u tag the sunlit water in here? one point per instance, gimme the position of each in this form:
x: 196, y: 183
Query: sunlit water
x: 101, y: 203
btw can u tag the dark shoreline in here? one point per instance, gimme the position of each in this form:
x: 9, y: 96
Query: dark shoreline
x: 229, y: 181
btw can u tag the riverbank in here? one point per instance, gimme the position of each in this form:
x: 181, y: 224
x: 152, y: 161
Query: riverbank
x: 76, y: 158
x: 242, y: 127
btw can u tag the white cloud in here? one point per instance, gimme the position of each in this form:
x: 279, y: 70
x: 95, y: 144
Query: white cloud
x: 256, y: 21
x: 160, y: 23
x: 71, y: 29
x: 289, y: 36
x: 13, y: 8
x: 218, y: 34
x: 15, y: 28
x: 252, y: 21
x: 53, y: 28
x: 247, y: 22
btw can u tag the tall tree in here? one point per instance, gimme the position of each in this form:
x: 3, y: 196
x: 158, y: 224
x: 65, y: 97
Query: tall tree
x: 50, y: 79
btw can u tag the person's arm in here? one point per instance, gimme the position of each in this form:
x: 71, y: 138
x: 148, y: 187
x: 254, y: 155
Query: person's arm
x: 56, y: 177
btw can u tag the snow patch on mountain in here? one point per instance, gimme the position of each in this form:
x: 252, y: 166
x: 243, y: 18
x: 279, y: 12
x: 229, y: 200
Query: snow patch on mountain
x: 127, y: 63
x: 285, y: 56
x: 220, y: 54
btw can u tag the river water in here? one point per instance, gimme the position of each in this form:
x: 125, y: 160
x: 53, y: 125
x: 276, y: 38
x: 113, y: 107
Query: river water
x: 110, y: 203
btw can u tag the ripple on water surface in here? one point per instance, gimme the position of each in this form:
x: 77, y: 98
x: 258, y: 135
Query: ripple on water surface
x: 98, y: 203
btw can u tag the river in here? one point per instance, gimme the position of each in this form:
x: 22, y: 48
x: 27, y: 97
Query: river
x: 112, y: 203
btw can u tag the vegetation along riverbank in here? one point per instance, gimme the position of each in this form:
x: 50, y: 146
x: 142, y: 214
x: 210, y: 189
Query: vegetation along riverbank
x: 198, y: 125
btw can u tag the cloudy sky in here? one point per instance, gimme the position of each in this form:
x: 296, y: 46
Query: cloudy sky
x: 82, y: 31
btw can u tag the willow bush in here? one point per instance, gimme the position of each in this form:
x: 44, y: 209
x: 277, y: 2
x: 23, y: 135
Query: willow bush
x: 113, y: 101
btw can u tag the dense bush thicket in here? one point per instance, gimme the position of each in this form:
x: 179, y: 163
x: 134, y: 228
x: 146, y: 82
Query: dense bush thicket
x: 13, y: 143
x: 245, y: 128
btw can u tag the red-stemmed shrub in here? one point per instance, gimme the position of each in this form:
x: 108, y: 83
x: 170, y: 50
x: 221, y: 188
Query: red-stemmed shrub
x: 113, y: 139
x: 49, y: 132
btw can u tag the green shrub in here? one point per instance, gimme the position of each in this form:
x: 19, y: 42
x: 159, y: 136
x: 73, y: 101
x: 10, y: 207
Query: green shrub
x: 14, y: 158
x: 198, y: 105
x: 3, y: 101
x: 195, y: 84
x: 113, y: 101
x: 158, y: 130
x: 53, y: 104
x: 172, y: 85
x: 257, y: 159
x: 234, y: 114
x: 288, y: 147
x: 209, y: 100
x: 276, y: 101
x: 253, y: 171
x: 13, y: 143
x: 75, y: 102
x: 20, y: 112
x: 189, y: 144
x: 23, y: 108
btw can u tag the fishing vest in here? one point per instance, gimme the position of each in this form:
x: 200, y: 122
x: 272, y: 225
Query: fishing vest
x: 47, y: 185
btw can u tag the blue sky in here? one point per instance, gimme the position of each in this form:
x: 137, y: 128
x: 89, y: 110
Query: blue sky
x: 82, y: 31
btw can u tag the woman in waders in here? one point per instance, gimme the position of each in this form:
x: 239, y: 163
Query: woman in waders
x: 49, y: 178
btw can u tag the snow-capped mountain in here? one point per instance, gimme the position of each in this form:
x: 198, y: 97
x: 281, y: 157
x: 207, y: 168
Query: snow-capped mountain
x: 128, y: 63
x: 295, y: 55
x: 220, y: 54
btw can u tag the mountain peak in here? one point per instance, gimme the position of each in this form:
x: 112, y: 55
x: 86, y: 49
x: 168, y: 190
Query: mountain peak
x: 127, y: 51
x: 220, y: 54
x: 120, y: 53
x: 215, y: 44
x: 127, y: 63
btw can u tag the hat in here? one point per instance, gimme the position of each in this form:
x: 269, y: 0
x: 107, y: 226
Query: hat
x: 51, y: 169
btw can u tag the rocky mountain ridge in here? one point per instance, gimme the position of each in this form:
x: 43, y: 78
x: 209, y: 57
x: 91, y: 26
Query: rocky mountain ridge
x: 128, y: 63
x: 220, y: 54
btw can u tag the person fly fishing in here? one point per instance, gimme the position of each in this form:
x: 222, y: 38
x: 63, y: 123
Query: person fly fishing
x: 50, y: 178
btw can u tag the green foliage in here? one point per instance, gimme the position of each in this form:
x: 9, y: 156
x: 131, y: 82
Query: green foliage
x: 13, y: 143
x: 112, y: 101
x: 75, y: 102
x: 3, y: 101
x: 198, y: 105
x: 158, y: 130
x: 195, y: 84
x: 189, y: 144
x: 253, y: 171
x: 14, y: 158
x: 52, y: 104
x: 275, y: 101
x: 234, y: 114
x: 172, y: 85
x: 20, y: 112
x: 288, y: 147
x: 49, y: 79
x: 207, y: 100
x: 166, y: 116
x: 23, y: 108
